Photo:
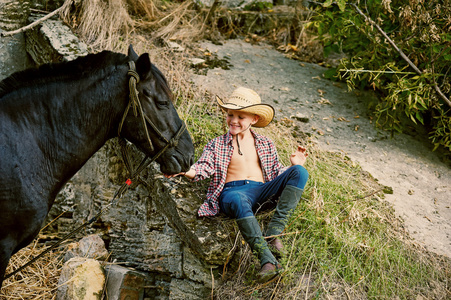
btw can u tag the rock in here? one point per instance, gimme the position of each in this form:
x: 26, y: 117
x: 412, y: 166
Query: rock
x: 93, y: 247
x: 88, y: 247
x: 81, y: 279
x: 176, y: 47
x: 196, y: 61
x: 187, y: 290
x: 13, y: 57
x: 52, y: 41
x: 301, y: 117
x: 123, y: 283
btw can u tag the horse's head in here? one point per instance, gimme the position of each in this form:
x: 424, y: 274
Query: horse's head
x: 164, y: 134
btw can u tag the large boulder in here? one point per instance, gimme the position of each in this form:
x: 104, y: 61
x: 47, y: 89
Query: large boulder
x: 81, y: 279
x: 52, y: 41
x: 13, y: 57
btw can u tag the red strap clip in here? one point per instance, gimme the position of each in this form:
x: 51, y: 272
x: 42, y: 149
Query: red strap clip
x: 129, y: 181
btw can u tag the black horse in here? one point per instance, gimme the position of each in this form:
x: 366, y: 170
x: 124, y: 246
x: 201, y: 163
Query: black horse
x: 54, y: 118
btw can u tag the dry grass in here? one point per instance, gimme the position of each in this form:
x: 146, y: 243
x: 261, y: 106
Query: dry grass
x: 109, y: 25
x: 112, y: 24
x: 38, y: 281
x: 103, y: 25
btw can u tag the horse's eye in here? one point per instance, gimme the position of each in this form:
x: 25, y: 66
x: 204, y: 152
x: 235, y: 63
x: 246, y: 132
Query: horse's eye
x: 162, y: 103
x: 147, y: 93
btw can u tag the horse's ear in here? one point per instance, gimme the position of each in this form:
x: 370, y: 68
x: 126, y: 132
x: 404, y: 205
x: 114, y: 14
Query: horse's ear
x: 144, y: 66
x: 131, y: 53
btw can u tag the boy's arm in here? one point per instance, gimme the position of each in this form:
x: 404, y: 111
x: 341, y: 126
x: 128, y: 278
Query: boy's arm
x: 190, y: 174
x: 203, y: 168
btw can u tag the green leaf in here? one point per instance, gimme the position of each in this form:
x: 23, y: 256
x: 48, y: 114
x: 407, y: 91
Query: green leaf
x: 341, y: 4
x: 419, y: 117
x: 436, y: 48
x: 331, y: 74
x: 327, y: 3
x: 327, y: 50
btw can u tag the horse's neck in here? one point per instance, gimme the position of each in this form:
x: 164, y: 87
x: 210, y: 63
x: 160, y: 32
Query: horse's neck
x: 81, y: 122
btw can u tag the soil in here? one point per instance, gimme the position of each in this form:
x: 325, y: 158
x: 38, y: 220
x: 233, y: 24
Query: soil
x: 339, y: 120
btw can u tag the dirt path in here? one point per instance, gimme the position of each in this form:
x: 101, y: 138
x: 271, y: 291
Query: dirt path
x: 340, y: 122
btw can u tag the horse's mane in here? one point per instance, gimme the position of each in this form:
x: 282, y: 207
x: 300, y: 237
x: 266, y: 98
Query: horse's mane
x: 80, y: 67
x: 72, y: 70
x: 161, y: 80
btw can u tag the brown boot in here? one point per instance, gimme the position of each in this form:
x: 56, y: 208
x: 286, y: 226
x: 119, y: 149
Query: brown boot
x: 276, y: 247
x: 277, y: 244
x: 269, y: 271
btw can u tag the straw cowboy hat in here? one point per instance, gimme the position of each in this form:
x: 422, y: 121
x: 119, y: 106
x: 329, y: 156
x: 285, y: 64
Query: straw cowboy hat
x: 247, y: 100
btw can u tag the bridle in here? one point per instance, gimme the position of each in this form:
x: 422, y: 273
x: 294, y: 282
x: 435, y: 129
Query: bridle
x: 137, y: 109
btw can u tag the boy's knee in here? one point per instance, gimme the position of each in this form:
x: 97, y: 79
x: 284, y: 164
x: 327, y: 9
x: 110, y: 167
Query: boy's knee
x: 299, y: 176
x: 301, y: 171
x: 239, y: 205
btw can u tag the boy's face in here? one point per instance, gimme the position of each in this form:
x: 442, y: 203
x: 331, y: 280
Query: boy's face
x: 239, y: 121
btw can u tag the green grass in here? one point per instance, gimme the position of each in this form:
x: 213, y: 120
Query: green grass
x: 355, y: 239
x: 343, y: 235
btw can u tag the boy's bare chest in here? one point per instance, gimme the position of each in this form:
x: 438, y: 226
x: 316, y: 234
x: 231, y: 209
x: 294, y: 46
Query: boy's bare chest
x: 245, y: 154
x: 245, y: 165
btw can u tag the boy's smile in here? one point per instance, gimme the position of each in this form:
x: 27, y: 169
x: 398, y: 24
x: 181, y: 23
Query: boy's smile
x: 240, y: 121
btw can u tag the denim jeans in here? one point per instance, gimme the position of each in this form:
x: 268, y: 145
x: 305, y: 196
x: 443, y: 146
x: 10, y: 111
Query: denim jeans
x: 243, y: 198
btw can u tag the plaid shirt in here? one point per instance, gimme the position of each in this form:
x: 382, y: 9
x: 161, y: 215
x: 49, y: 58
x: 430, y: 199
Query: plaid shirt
x: 215, y: 160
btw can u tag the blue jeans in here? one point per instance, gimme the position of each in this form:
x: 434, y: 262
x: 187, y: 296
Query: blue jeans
x: 243, y: 198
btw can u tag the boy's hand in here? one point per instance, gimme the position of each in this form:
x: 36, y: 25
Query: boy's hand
x: 299, y: 156
x: 189, y: 174
x: 174, y: 175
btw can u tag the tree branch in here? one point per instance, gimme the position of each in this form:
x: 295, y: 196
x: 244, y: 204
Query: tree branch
x: 66, y: 4
x: 411, y: 64
x: 35, y: 23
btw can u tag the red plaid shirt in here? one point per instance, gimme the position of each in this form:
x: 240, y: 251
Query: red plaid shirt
x: 215, y: 160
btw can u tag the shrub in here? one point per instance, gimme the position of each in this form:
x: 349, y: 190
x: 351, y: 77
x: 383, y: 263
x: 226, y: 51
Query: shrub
x: 421, y: 30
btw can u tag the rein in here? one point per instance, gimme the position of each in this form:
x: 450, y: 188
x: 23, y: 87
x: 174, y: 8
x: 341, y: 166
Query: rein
x: 134, y: 174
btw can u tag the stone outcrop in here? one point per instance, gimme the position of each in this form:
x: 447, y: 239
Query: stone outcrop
x: 81, y: 279
x: 152, y: 228
x: 53, y: 42
x: 13, y: 57
x: 91, y: 246
x: 123, y: 283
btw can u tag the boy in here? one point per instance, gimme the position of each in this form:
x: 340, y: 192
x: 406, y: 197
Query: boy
x: 246, y: 173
